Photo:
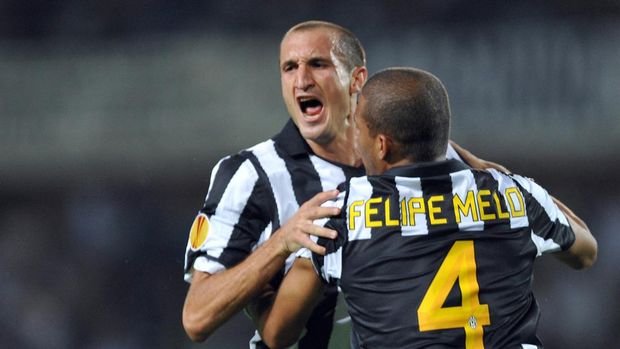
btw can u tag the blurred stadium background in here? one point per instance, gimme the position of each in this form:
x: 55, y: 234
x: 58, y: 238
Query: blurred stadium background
x: 112, y: 114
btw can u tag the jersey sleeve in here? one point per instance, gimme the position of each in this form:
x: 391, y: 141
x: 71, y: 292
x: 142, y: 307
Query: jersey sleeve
x: 551, y: 231
x: 232, y: 219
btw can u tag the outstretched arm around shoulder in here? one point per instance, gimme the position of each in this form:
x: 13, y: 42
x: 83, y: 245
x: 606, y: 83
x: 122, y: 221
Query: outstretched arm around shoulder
x: 583, y: 252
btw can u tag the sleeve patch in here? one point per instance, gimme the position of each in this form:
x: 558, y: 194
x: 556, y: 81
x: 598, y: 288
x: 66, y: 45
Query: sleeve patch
x: 199, y: 231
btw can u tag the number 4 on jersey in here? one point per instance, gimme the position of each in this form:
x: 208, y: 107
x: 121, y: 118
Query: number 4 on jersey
x: 458, y: 266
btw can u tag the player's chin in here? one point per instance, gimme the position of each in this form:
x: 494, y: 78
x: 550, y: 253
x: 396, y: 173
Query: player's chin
x: 314, y: 132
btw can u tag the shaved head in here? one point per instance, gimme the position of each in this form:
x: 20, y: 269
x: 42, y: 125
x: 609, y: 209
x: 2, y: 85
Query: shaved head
x: 346, y: 46
x: 411, y: 107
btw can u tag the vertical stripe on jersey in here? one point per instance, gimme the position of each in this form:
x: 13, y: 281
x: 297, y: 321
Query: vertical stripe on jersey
x: 221, y: 220
x: 329, y: 266
x: 437, y: 192
x: 272, y: 165
x: 408, y: 189
x: 363, y: 192
x: 222, y: 175
x: 385, y: 188
x: 463, y: 184
x: 505, y: 182
x: 304, y: 177
x: 331, y: 176
x: 252, y: 216
x: 495, y: 218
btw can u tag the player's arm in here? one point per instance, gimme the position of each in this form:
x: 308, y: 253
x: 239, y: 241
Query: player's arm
x: 282, y: 324
x: 583, y: 252
x: 476, y: 162
x: 212, y: 299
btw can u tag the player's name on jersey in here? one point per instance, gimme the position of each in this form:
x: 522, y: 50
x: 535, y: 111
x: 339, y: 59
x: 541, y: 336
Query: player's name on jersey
x: 472, y: 206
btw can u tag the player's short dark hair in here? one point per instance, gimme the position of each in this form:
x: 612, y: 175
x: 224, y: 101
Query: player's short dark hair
x: 347, y: 47
x: 410, y: 106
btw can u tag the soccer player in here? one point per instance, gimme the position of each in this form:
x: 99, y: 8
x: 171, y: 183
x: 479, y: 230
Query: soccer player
x: 260, y: 190
x: 430, y: 253
x: 256, y: 197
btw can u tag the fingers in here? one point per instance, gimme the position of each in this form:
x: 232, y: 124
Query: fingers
x: 323, y: 212
x: 322, y: 197
x: 318, y: 249
x: 313, y: 209
x: 308, y: 243
x: 297, y: 232
x: 295, y: 236
x: 320, y: 231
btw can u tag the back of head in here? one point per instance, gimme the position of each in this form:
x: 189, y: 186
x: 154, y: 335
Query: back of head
x: 346, y: 46
x: 411, y: 107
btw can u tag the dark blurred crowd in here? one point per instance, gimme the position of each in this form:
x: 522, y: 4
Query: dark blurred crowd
x: 88, y: 19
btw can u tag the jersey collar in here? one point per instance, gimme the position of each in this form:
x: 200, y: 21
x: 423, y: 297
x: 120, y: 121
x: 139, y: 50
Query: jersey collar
x: 291, y: 141
x: 427, y: 169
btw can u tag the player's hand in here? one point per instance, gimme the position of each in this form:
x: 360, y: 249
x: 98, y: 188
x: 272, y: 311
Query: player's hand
x: 296, y: 233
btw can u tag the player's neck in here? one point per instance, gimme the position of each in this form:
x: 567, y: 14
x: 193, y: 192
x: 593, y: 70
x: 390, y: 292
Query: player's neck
x: 340, y: 150
x: 407, y: 162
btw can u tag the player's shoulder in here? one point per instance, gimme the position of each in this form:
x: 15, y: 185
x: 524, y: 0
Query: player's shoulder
x: 490, y: 172
x: 527, y: 183
x: 262, y: 160
x: 521, y: 181
x: 262, y: 149
x: 257, y: 150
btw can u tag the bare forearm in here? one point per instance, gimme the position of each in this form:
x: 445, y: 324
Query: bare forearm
x: 569, y: 213
x: 583, y: 252
x: 213, y: 299
x: 283, y: 322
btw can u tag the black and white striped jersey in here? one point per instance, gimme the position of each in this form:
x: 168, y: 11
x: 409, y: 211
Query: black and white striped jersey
x: 438, y: 255
x: 251, y: 194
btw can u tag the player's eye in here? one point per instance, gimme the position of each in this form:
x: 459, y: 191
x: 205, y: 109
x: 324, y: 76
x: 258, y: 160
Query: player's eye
x: 318, y: 63
x: 288, y: 67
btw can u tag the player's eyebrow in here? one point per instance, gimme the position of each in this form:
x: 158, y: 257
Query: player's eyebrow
x: 311, y: 61
x: 288, y: 63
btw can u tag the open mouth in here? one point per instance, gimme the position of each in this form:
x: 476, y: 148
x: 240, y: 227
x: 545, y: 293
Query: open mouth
x: 310, y: 106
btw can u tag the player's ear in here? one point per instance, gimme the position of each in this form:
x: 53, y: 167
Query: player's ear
x: 358, y: 79
x: 389, y: 151
x: 384, y: 146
